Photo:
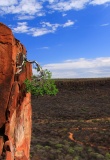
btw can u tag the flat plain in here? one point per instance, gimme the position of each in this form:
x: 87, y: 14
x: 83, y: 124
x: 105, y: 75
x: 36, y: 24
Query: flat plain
x: 74, y: 124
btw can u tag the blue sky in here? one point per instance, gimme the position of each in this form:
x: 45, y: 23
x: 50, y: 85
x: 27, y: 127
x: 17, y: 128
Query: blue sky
x: 71, y: 38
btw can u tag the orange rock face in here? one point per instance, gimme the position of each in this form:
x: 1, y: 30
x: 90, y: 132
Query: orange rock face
x: 15, y: 103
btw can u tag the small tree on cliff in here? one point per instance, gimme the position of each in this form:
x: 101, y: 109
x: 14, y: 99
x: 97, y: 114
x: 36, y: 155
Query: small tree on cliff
x: 38, y: 85
x: 41, y: 85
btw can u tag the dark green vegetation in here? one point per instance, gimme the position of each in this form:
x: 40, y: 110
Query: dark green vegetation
x: 42, y: 86
x: 74, y: 124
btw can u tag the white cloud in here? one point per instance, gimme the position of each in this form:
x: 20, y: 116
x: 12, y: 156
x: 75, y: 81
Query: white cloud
x: 22, y: 27
x: 41, y: 31
x: 39, y: 7
x: 4, y: 3
x: 49, y: 25
x: 21, y: 7
x: 80, y: 68
x: 63, y: 5
x: 45, y: 28
x: 68, y: 23
x: 99, y: 2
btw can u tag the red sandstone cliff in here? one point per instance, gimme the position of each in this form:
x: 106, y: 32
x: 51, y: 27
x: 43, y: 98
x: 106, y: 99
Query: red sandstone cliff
x: 15, y: 104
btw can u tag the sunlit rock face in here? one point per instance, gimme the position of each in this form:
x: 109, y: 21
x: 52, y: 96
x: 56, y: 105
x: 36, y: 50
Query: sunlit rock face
x: 15, y: 103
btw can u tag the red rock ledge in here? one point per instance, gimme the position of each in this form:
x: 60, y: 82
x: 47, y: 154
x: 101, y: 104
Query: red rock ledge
x: 15, y: 104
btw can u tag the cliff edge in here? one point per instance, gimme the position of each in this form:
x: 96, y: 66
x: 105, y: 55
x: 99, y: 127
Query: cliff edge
x: 15, y: 103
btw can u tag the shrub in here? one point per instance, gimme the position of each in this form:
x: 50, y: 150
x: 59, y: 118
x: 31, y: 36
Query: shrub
x: 76, y: 158
x: 71, y: 150
x: 42, y: 86
x: 38, y: 146
x: 47, y: 148
x: 78, y: 148
x: 59, y: 145
x: 107, y: 156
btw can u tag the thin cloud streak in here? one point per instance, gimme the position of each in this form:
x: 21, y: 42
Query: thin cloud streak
x: 43, y: 48
x: 80, y: 68
x: 25, y: 17
x: 105, y: 24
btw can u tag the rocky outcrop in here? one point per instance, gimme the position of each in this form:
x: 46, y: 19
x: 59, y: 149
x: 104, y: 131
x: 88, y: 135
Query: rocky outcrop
x: 15, y: 103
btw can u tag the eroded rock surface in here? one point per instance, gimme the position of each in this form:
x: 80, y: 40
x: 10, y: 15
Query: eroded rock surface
x: 15, y: 104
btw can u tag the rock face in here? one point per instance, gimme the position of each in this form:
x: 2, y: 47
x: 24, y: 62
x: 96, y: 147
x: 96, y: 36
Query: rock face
x: 15, y: 103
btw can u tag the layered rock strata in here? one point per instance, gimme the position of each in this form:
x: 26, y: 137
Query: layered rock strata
x: 15, y: 103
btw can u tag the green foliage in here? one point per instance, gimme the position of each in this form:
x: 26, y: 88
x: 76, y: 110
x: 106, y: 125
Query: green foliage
x: 78, y: 148
x: 47, y: 148
x: 38, y: 146
x: 59, y: 145
x: 71, y: 150
x: 107, y: 156
x: 76, y: 158
x: 42, y: 86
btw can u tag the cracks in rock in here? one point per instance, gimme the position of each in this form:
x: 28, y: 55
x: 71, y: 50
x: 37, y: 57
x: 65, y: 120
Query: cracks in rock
x: 1, y: 42
x: 2, y: 130
x: 5, y: 139
x: 7, y: 114
x: 6, y: 35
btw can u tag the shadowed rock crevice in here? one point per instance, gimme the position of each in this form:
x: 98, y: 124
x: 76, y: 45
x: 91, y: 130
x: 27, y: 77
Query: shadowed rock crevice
x: 15, y: 103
